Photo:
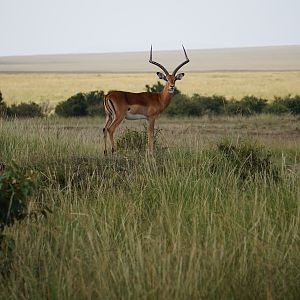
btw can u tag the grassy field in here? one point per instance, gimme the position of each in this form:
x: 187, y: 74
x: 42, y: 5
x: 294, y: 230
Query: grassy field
x: 182, y: 225
x: 55, y: 87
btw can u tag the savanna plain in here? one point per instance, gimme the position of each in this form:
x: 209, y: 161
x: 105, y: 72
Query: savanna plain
x: 214, y: 214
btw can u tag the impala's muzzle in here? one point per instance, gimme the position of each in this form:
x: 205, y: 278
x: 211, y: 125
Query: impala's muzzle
x: 171, y: 89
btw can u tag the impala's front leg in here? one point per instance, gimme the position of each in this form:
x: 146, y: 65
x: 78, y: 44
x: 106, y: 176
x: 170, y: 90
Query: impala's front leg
x: 151, y: 122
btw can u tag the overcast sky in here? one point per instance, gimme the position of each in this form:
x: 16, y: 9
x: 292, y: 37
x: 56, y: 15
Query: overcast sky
x: 84, y: 26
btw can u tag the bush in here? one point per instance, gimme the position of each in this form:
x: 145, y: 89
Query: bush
x: 247, y: 106
x: 287, y: 104
x: 277, y: 107
x: 208, y: 105
x: 197, y: 105
x: 3, y: 106
x: 94, y: 101
x: 180, y: 106
x: 25, y: 110
x: 74, y: 106
x: 82, y: 104
x: 234, y: 107
x: 253, y: 104
x: 293, y: 104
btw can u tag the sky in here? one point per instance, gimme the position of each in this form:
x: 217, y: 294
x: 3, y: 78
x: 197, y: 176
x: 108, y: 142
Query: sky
x: 93, y: 26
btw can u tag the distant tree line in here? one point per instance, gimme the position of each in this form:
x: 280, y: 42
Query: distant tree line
x: 91, y: 104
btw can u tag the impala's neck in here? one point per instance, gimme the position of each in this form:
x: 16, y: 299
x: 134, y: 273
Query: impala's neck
x: 165, y: 96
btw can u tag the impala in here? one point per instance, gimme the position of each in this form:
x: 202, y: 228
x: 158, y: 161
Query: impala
x: 134, y: 106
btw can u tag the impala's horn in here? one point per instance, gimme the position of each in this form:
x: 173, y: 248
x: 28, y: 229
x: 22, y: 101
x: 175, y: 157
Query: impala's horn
x: 157, y: 64
x: 182, y: 64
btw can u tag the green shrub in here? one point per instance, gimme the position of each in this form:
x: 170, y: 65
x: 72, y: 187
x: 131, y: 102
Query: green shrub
x: 180, y: 106
x: 202, y: 105
x: 287, y: 104
x: 197, y: 105
x: 234, y: 107
x: 277, y: 107
x: 247, y: 106
x: 94, y: 101
x: 293, y: 104
x: 25, y: 110
x: 74, y: 106
x: 253, y: 104
x: 3, y: 106
x: 82, y: 104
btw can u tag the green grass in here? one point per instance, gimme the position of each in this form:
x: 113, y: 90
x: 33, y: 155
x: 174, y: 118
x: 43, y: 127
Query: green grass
x: 181, y: 225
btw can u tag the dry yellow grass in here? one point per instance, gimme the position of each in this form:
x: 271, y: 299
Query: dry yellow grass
x: 55, y: 87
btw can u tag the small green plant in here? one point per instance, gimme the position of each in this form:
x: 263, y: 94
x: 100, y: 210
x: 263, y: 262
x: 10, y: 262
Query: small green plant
x: 16, y: 189
x: 136, y: 140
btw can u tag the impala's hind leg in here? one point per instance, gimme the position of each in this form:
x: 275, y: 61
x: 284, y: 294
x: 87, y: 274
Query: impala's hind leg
x: 111, y: 129
x: 109, y: 112
x: 107, y: 124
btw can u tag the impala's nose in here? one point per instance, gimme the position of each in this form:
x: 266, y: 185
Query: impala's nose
x: 171, y: 88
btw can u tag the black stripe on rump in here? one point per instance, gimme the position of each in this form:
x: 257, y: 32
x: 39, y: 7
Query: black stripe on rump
x: 112, y: 106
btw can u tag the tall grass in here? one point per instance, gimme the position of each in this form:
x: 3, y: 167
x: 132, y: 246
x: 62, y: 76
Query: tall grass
x: 181, y: 225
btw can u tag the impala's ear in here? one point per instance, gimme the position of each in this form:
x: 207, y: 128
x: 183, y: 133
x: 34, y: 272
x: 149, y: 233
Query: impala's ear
x: 161, y: 76
x: 179, y: 76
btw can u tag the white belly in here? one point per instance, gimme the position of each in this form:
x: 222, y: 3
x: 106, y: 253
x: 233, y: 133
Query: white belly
x: 131, y: 116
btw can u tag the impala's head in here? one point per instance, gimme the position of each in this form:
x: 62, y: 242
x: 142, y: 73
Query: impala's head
x: 170, y: 79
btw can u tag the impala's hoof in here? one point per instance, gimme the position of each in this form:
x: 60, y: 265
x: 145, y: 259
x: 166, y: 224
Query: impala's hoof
x: 105, y: 152
x: 112, y: 150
